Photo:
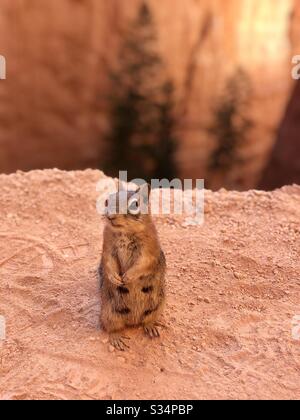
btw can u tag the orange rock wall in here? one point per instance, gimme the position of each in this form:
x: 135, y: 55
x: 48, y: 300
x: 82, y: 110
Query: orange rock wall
x: 52, y: 105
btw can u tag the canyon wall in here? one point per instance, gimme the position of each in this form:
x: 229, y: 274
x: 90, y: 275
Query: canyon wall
x: 284, y: 165
x: 53, y: 109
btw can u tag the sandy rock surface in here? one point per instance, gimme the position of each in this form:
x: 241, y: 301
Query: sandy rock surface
x: 233, y: 291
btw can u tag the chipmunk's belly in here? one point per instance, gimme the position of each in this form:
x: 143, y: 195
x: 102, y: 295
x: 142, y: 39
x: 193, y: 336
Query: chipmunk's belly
x: 143, y: 296
x: 138, y: 303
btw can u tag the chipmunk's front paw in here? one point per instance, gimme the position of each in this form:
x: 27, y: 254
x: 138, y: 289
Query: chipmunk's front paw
x: 151, y: 331
x: 128, y: 279
x: 115, y: 279
x: 118, y: 341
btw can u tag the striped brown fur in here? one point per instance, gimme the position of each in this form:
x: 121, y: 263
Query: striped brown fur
x: 132, y: 273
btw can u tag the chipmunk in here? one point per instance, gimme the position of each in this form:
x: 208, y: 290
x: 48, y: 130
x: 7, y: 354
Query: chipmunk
x: 132, y: 269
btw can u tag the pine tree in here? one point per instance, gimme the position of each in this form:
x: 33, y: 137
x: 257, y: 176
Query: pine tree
x: 167, y: 140
x: 141, y: 139
x: 231, y: 125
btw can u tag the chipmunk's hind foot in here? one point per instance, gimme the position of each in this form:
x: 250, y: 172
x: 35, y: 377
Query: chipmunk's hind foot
x: 151, y: 330
x: 118, y: 341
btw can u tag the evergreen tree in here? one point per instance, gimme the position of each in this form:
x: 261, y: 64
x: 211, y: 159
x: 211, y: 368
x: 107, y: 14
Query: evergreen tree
x: 167, y: 140
x: 141, y: 139
x: 231, y: 125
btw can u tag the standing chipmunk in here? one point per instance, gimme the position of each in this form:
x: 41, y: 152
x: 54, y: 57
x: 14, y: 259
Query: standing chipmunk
x: 132, y: 269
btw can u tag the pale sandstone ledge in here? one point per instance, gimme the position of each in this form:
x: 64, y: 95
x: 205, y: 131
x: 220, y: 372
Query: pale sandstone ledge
x: 233, y: 292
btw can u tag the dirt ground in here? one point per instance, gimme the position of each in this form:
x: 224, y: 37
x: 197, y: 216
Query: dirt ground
x: 233, y: 291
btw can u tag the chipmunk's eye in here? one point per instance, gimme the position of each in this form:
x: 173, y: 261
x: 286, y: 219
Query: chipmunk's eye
x: 134, y: 207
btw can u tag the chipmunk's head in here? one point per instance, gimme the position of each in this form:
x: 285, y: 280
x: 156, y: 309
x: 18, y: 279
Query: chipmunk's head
x: 128, y: 210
